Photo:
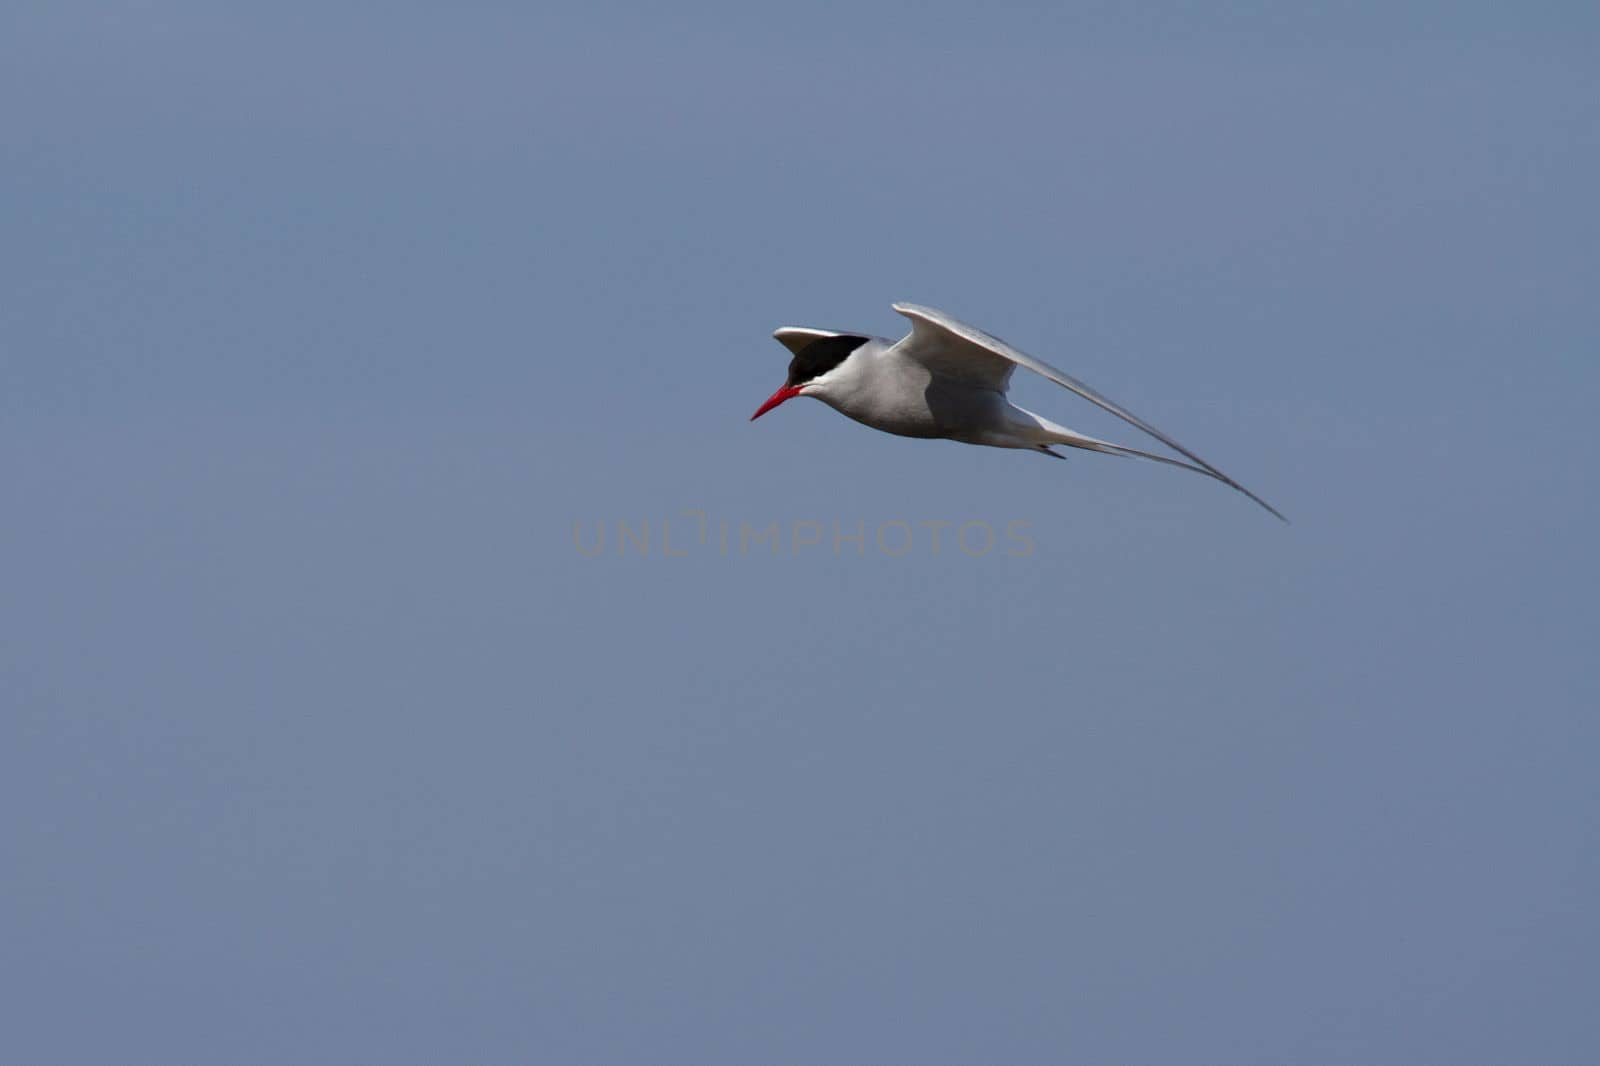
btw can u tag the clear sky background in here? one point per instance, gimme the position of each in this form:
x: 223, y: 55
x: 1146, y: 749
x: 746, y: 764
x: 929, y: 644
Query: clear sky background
x: 321, y: 742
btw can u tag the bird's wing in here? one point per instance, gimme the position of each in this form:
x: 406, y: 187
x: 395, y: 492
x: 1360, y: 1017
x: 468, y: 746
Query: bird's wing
x: 951, y: 348
x: 795, y: 338
x: 958, y: 352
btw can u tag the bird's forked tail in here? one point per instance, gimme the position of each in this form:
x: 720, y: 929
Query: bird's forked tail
x: 1042, y: 432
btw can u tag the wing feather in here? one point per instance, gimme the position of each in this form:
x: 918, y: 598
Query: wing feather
x: 949, y: 342
x: 795, y: 338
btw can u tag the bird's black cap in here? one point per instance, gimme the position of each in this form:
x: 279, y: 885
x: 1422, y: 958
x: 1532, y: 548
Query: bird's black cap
x: 821, y: 356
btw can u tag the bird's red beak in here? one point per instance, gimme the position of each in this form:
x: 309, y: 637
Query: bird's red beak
x: 788, y: 392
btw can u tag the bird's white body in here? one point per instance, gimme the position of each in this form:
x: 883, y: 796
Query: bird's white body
x: 946, y: 379
x: 884, y: 387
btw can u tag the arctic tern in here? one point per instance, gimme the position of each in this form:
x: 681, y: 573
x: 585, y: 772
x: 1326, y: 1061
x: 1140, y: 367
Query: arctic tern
x: 946, y: 379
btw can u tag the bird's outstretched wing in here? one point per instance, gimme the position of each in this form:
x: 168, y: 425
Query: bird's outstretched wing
x: 951, y: 348
x: 795, y: 338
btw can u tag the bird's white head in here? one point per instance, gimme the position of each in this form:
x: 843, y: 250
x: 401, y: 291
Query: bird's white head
x: 818, y: 359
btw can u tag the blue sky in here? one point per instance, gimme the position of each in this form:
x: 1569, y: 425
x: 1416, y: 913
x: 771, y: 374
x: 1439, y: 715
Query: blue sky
x: 326, y: 326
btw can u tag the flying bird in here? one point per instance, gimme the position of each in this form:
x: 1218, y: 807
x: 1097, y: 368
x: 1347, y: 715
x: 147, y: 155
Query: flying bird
x: 946, y: 379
